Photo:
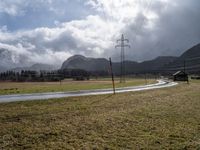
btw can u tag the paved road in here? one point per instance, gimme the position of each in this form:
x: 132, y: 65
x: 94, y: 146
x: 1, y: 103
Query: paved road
x: 44, y: 96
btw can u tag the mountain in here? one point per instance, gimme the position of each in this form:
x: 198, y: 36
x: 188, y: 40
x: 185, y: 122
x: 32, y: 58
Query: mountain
x: 36, y: 67
x: 146, y: 66
x: 85, y: 63
x: 102, y: 64
x: 2, y: 68
x: 191, y: 53
x: 157, y: 63
x: 6, y: 60
x: 39, y: 66
x: 10, y: 59
x: 161, y: 64
x: 190, y: 58
x: 167, y: 64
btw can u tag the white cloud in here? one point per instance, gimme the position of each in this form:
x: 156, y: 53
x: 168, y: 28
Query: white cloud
x: 3, y: 28
x: 149, y: 24
x: 90, y: 37
x: 13, y: 8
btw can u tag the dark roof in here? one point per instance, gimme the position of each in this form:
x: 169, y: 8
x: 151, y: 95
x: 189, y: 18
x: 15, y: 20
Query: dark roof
x: 179, y: 73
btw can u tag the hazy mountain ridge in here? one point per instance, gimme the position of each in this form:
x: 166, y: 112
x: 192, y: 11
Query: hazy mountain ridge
x: 191, y: 53
x: 7, y: 62
x: 191, y: 58
x: 6, y: 59
x: 36, y: 67
x: 86, y: 63
x: 11, y: 61
x: 102, y: 64
x: 159, y: 64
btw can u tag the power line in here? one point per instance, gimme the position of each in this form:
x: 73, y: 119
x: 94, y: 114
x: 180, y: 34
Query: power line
x: 122, y: 45
x: 194, y: 58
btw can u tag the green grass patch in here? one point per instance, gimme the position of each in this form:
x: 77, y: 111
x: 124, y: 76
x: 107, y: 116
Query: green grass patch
x: 67, y: 85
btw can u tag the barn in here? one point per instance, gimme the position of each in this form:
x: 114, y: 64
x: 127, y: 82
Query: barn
x: 180, y: 76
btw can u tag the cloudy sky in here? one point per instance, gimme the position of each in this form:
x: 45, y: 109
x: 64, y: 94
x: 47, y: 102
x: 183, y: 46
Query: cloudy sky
x: 50, y: 31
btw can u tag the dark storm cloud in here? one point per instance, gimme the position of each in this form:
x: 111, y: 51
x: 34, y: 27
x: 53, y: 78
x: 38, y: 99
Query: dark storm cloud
x: 65, y: 41
x: 175, y: 30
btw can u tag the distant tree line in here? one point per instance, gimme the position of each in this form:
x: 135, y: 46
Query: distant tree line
x: 28, y: 75
x: 79, y: 74
x: 35, y: 76
x: 58, y: 75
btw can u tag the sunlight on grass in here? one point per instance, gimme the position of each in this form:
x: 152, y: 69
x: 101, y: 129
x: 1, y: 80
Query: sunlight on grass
x: 156, y: 119
x: 67, y: 85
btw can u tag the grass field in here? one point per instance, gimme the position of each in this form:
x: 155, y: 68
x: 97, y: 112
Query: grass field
x: 156, y: 119
x: 66, y: 85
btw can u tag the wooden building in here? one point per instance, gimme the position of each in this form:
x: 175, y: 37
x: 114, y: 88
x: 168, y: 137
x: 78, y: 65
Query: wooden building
x: 180, y: 76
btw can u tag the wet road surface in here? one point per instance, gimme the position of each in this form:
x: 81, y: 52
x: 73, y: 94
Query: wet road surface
x: 44, y: 96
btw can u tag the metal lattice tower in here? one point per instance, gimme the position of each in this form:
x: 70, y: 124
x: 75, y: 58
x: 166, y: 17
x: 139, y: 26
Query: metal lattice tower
x: 122, y: 45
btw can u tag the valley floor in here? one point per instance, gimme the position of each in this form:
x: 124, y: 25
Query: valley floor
x: 156, y: 119
x: 7, y: 88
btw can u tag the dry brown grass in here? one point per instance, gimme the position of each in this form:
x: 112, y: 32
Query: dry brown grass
x: 157, y: 119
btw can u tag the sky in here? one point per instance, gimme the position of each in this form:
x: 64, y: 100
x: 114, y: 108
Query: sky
x: 50, y: 31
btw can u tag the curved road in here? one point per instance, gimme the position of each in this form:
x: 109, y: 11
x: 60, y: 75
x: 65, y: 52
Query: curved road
x: 43, y: 96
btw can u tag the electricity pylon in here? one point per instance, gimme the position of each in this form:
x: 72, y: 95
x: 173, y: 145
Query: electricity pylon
x: 122, y: 45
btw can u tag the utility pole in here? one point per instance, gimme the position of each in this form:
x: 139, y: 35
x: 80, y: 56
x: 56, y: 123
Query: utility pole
x: 185, y: 70
x: 145, y: 78
x: 184, y: 65
x: 113, y: 80
x: 122, y: 45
